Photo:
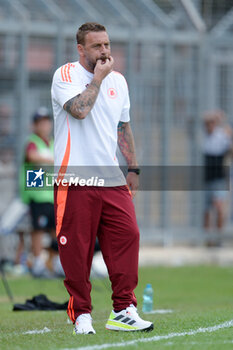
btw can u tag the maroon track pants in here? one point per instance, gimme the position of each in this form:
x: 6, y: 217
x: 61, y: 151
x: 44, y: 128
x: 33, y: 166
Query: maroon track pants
x: 108, y: 213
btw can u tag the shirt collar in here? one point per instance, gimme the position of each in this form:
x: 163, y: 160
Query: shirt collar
x: 89, y: 74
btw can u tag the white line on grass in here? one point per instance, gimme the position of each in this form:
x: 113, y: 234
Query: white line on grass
x: 215, y: 328
x: 38, y: 331
x: 170, y: 343
x: 159, y: 311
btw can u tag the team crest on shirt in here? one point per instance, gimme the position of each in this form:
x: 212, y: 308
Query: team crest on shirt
x: 63, y: 240
x: 112, y: 93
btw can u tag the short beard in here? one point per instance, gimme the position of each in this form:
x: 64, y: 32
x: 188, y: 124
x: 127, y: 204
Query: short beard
x: 91, y: 65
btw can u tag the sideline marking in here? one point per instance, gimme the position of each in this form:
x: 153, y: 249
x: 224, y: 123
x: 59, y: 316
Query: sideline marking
x: 38, y: 331
x: 160, y: 311
x: 227, y: 324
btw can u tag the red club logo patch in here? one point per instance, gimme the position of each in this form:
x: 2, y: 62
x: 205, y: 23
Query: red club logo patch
x: 112, y: 93
x: 63, y: 240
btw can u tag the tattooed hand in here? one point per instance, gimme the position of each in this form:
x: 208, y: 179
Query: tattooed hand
x: 103, y: 68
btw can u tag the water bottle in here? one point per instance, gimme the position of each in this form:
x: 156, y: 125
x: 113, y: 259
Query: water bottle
x: 147, y: 305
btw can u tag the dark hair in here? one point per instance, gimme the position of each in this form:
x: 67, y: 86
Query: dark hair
x: 41, y: 113
x: 87, y: 28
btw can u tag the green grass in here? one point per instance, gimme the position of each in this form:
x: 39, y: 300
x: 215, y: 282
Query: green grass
x: 199, y: 296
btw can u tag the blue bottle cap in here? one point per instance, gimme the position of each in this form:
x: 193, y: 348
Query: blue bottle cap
x: 148, y: 285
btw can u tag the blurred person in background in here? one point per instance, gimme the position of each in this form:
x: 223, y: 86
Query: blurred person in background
x: 39, y: 152
x: 7, y: 137
x: 217, y: 143
x: 8, y: 142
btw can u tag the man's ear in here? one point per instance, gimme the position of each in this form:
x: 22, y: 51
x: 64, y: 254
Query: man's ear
x: 80, y: 50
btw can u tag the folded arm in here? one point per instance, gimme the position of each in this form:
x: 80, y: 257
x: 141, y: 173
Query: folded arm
x: 80, y: 105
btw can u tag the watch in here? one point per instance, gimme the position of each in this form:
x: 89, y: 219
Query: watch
x: 134, y: 170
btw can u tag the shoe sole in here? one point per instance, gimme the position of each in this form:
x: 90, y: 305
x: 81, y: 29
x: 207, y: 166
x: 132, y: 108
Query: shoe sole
x: 115, y: 328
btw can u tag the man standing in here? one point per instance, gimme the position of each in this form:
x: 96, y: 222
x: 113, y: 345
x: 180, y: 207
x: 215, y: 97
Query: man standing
x: 91, y: 114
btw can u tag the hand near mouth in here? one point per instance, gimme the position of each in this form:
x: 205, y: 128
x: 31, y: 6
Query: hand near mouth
x: 103, y: 67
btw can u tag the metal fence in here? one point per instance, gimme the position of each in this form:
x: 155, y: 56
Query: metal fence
x: 176, y: 66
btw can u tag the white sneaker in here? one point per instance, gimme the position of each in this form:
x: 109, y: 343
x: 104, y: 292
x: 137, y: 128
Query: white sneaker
x: 83, y: 325
x: 128, y: 320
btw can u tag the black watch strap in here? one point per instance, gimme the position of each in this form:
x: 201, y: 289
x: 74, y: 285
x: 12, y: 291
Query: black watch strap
x: 134, y: 170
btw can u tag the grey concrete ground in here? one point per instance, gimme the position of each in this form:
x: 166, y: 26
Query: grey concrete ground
x: 172, y: 256
x: 178, y: 256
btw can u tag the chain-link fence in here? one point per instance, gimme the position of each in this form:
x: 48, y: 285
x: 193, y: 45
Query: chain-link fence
x: 177, y: 66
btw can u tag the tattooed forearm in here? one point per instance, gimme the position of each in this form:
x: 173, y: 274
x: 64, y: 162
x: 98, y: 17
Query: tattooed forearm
x: 126, y: 143
x: 80, y: 105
